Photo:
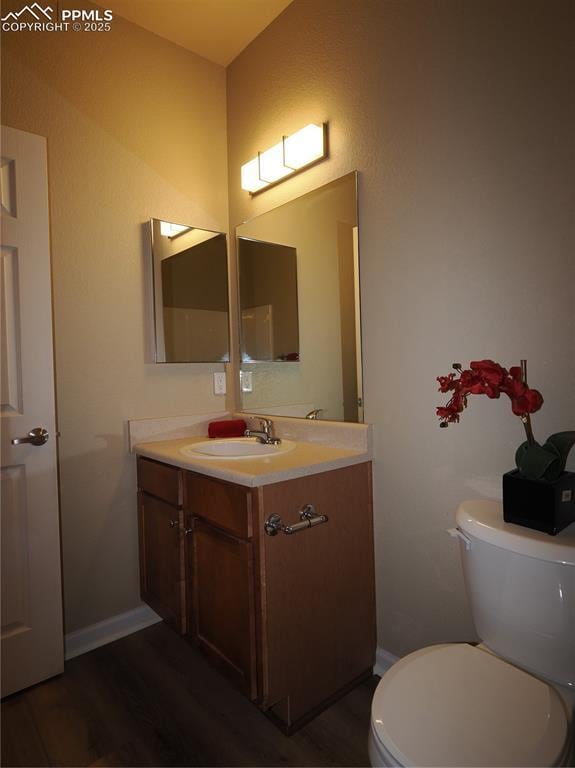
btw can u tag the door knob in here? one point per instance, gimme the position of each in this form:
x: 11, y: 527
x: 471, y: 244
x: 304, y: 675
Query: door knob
x: 36, y: 436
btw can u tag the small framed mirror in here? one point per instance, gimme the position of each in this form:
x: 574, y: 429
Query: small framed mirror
x: 190, y: 268
x: 268, y: 301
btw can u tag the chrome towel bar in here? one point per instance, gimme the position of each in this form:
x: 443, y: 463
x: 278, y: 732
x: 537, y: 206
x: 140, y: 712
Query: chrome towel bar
x: 308, y: 517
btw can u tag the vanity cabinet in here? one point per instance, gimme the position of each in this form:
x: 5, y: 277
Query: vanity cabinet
x: 289, y: 618
x: 162, y: 547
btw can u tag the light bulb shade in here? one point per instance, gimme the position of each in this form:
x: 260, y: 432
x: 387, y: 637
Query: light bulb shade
x: 292, y: 153
x: 251, y: 181
x: 272, y: 165
x: 304, y: 147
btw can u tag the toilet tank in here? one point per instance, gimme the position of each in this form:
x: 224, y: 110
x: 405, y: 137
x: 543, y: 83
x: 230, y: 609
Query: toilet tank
x: 521, y: 585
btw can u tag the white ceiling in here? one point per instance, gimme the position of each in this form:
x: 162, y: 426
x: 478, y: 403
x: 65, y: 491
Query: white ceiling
x: 218, y: 30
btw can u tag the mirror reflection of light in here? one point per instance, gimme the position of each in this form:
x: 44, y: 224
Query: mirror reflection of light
x: 168, y: 229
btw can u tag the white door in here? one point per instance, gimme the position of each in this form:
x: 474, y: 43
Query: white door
x: 258, y: 333
x: 31, y: 630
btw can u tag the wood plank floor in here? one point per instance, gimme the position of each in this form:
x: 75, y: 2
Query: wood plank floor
x: 151, y: 700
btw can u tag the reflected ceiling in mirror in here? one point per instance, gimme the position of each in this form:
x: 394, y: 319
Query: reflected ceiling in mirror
x: 190, y: 294
x: 320, y: 229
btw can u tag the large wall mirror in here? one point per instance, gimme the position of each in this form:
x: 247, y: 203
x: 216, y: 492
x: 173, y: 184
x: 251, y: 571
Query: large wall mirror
x: 190, y: 268
x: 312, y: 244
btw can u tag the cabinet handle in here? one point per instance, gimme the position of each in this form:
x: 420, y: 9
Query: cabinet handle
x: 308, y: 518
x: 188, y: 531
x: 173, y: 523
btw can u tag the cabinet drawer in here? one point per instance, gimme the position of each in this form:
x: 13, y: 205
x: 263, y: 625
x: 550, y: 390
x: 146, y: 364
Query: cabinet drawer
x: 224, y: 505
x: 160, y: 480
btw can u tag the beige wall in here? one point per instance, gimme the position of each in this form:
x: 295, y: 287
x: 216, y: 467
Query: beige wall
x: 136, y: 129
x: 460, y: 119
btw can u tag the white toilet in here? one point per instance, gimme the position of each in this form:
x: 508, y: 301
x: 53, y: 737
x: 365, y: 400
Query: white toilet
x: 511, y: 700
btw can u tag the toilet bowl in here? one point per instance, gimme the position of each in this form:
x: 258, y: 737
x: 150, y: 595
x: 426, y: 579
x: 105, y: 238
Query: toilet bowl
x: 459, y: 705
x: 509, y: 701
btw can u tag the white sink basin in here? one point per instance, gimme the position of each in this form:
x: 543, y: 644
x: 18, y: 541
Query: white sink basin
x: 235, y: 448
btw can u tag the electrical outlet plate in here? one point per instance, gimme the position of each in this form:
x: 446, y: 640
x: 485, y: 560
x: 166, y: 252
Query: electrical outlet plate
x: 219, y: 383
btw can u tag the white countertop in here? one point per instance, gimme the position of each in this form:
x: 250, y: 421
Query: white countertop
x: 306, y: 458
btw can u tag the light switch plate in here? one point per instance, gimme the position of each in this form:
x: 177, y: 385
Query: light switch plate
x: 246, y: 381
x: 219, y: 383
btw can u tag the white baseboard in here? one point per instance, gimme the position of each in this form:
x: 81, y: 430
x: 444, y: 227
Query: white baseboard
x: 383, y: 661
x: 88, y: 638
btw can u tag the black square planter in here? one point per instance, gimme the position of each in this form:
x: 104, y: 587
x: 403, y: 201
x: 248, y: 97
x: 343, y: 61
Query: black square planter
x: 538, y: 504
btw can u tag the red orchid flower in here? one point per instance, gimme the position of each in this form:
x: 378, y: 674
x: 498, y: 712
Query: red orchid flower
x: 485, y: 377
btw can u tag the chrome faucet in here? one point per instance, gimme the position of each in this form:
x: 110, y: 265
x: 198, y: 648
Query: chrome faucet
x: 314, y: 414
x: 265, y: 435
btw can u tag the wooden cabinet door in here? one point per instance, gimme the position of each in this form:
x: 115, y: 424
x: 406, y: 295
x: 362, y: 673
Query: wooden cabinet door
x: 224, y: 615
x: 162, y: 559
x: 319, y: 632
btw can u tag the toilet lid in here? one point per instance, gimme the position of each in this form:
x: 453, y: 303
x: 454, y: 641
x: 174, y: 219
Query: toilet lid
x: 457, y: 705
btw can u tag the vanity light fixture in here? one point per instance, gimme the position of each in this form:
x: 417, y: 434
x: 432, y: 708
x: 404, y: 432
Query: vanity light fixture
x: 291, y: 154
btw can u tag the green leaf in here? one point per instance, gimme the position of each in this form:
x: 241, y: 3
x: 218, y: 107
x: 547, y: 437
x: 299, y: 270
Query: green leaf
x: 538, y: 462
x: 562, y: 442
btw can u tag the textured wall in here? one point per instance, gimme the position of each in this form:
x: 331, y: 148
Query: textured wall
x: 136, y: 129
x: 459, y: 116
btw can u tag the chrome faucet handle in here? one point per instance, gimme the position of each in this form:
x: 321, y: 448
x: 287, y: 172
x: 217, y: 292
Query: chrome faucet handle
x: 266, y: 434
x: 267, y: 426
